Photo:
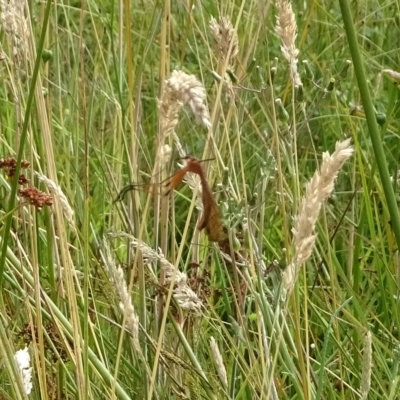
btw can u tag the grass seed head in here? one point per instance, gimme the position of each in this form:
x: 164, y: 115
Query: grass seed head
x: 317, y: 191
x: 182, y: 89
x: 393, y: 74
x: 9, y: 165
x: 225, y: 36
x: 286, y: 28
x: 219, y: 363
x: 14, y: 24
x: 125, y: 305
x: 36, y: 197
x: 366, y: 367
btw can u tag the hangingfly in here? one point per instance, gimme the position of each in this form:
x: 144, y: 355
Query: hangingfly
x: 211, y: 219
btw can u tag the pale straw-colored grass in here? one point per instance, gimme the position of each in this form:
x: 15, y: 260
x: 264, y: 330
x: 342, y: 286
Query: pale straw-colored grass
x: 366, y: 367
x: 126, y: 305
x: 14, y: 24
x: 286, y: 28
x: 317, y: 191
x: 219, y: 363
x: 185, y: 297
x: 182, y: 89
x: 393, y: 74
x: 62, y: 198
x: 164, y: 155
x: 226, y: 38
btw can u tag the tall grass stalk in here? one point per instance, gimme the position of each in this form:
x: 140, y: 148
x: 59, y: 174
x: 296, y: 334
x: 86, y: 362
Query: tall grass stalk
x: 371, y: 119
x: 24, y: 131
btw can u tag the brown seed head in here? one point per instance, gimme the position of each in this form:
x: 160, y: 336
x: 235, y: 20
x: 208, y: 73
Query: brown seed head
x: 35, y: 197
x: 9, y: 165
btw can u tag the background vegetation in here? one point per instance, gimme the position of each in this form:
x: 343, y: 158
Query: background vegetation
x: 78, y: 101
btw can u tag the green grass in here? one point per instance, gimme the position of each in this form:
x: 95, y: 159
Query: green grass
x: 92, y: 126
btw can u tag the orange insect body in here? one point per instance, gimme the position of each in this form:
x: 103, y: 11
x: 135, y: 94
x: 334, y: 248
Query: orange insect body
x: 211, y: 219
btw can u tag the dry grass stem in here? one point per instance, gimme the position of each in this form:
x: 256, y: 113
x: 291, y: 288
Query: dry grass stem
x: 286, y: 28
x: 59, y: 194
x: 274, y: 394
x: 219, y: 363
x: 225, y: 37
x: 185, y: 297
x: 14, y: 24
x: 126, y: 305
x: 182, y: 89
x: 317, y: 191
x: 367, y: 367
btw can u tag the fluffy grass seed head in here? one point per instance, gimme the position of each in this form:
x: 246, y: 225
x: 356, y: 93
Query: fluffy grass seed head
x: 219, y: 363
x: 225, y: 37
x: 126, y: 305
x: 286, y: 28
x: 182, y: 89
x: 14, y: 24
x: 23, y: 360
x: 317, y: 191
x: 367, y: 367
x: 165, y: 152
x: 185, y: 297
x: 393, y: 74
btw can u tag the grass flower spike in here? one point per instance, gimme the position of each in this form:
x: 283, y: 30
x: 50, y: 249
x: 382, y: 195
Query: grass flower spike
x: 182, y: 89
x: 126, y: 305
x: 182, y: 293
x: 317, y: 191
x: 219, y: 363
x: 286, y: 28
x: 225, y: 36
x: 14, y: 24
x: 393, y: 74
x: 367, y: 367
